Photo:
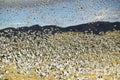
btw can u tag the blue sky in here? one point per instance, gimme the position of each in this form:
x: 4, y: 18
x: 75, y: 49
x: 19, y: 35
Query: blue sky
x: 17, y: 13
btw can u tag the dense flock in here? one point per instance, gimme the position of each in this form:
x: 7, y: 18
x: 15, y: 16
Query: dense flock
x: 65, y: 56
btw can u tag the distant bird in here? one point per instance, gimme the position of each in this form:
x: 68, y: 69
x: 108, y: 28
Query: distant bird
x: 81, y: 7
x: 100, y: 78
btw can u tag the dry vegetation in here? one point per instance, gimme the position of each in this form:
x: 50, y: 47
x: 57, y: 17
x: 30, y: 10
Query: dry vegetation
x: 63, y: 56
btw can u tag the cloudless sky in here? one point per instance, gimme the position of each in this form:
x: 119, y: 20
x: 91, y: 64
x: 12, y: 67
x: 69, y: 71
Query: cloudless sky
x: 17, y: 13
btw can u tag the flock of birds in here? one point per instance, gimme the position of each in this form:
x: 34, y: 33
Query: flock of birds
x: 64, y: 55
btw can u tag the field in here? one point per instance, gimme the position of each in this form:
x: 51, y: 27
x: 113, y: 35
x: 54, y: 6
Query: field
x: 62, y: 56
